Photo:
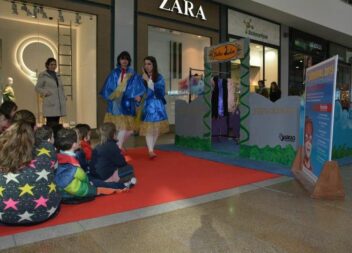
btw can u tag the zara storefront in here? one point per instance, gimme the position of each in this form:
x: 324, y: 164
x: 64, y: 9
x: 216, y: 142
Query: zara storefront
x: 176, y: 33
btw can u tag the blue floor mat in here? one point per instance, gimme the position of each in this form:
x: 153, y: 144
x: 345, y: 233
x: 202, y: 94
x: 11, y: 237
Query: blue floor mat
x: 345, y: 161
x: 222, y: 155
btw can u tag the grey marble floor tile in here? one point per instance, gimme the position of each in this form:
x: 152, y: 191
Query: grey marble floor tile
x: 47, y: 233
x: 7, y: 242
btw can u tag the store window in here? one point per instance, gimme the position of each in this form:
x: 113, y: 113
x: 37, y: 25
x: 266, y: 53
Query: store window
x: 264, y: 47
x: 344, y: 74
x: 177, y: 53
x: 305, y: 51
x: 264, y: 65
x: 29, y: 35
x: 272, y: 65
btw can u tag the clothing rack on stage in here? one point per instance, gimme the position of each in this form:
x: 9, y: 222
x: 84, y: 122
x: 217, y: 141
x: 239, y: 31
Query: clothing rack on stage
x: 230, y: 122
x: 202, y: 70
x: 213, y: 72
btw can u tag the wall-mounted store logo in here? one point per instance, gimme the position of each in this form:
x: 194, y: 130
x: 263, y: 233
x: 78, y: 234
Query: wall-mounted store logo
x: 314, y: 45
x: 187, y: 8
x: 287, y: 138
x: 250, y: 30
x: 308, y: 46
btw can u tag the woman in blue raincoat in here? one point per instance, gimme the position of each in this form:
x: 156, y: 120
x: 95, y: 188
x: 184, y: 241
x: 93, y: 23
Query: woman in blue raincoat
x: 122, y: 90
x: 154, y: 117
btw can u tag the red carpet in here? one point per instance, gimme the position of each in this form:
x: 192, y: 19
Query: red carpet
x: 171, y: 176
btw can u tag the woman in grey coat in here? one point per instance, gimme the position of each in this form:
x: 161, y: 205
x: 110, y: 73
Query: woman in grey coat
x: 50, y: 87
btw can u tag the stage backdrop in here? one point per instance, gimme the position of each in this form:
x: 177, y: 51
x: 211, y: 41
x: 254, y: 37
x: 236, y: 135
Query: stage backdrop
x: 274, y: 129
x: 274, y: 123
x: 342, y: 144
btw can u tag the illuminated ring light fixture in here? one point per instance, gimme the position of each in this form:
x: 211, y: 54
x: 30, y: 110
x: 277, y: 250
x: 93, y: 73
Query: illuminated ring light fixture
x: 19, y: 54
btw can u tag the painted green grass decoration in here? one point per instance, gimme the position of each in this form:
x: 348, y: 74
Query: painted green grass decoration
x: 275, y: 154
x: 193, y: 142
x: 341, y: 152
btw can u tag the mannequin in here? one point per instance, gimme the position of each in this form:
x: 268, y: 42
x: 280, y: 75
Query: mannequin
x: 8, y: 92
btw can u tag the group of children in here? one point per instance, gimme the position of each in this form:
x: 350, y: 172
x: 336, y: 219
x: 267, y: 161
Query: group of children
x: 42, y: 167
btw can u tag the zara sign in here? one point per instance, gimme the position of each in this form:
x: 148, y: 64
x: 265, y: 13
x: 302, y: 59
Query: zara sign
x: 187, y: 8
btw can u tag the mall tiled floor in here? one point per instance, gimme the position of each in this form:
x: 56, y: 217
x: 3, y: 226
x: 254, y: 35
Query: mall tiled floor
x: 275, y: 216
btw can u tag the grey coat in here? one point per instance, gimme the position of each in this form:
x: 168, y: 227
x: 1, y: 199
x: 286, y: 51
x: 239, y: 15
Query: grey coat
x: 54, y: 100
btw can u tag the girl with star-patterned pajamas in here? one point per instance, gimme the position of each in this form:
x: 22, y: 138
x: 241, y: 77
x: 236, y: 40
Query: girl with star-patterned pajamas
x: 28, y: 194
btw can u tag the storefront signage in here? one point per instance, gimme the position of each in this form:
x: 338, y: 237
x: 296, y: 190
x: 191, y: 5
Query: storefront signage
x: 308, y: 46
x: 247, y: 26
x: 184, y: 7
x: 319, y: 117
x: 225, y: 52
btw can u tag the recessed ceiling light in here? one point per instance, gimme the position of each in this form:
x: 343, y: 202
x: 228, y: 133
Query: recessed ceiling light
x: 14, y: 8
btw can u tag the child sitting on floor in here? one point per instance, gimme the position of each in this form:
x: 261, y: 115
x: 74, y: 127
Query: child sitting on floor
x: 70, y: 177
x: 9, y: 108
x: 28, y: 194
x: 108, y: 167
x: 44, y: 137
x: 44, y: 134
x: 80, y: 154
x: 84, y: 136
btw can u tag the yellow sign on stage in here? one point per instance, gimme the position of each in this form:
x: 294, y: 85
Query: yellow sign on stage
x: 224, y: 52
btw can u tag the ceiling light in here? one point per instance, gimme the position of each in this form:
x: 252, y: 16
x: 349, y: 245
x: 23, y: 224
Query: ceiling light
x: 41, y: 11
x: 14, y: 8
x: 61, y: 17
x: 175, y: 32
x: 35, y: 11
x: 78, y: 18
x: 24, y: 8
x: 29, y: 13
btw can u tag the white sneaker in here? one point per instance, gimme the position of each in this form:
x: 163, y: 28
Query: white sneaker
x: 131, y: 183
x: 133, y: 180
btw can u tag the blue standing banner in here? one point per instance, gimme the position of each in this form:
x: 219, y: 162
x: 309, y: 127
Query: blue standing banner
x: 319, y: 118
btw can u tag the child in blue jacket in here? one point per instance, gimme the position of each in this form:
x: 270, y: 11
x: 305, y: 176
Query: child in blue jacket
x: 108, y: 167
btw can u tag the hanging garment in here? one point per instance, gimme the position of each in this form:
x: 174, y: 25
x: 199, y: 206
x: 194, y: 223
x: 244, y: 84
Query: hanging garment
x: 219, y: 98
x: 231, y: 96
x: 219, y: 109
x: 222, y: 96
